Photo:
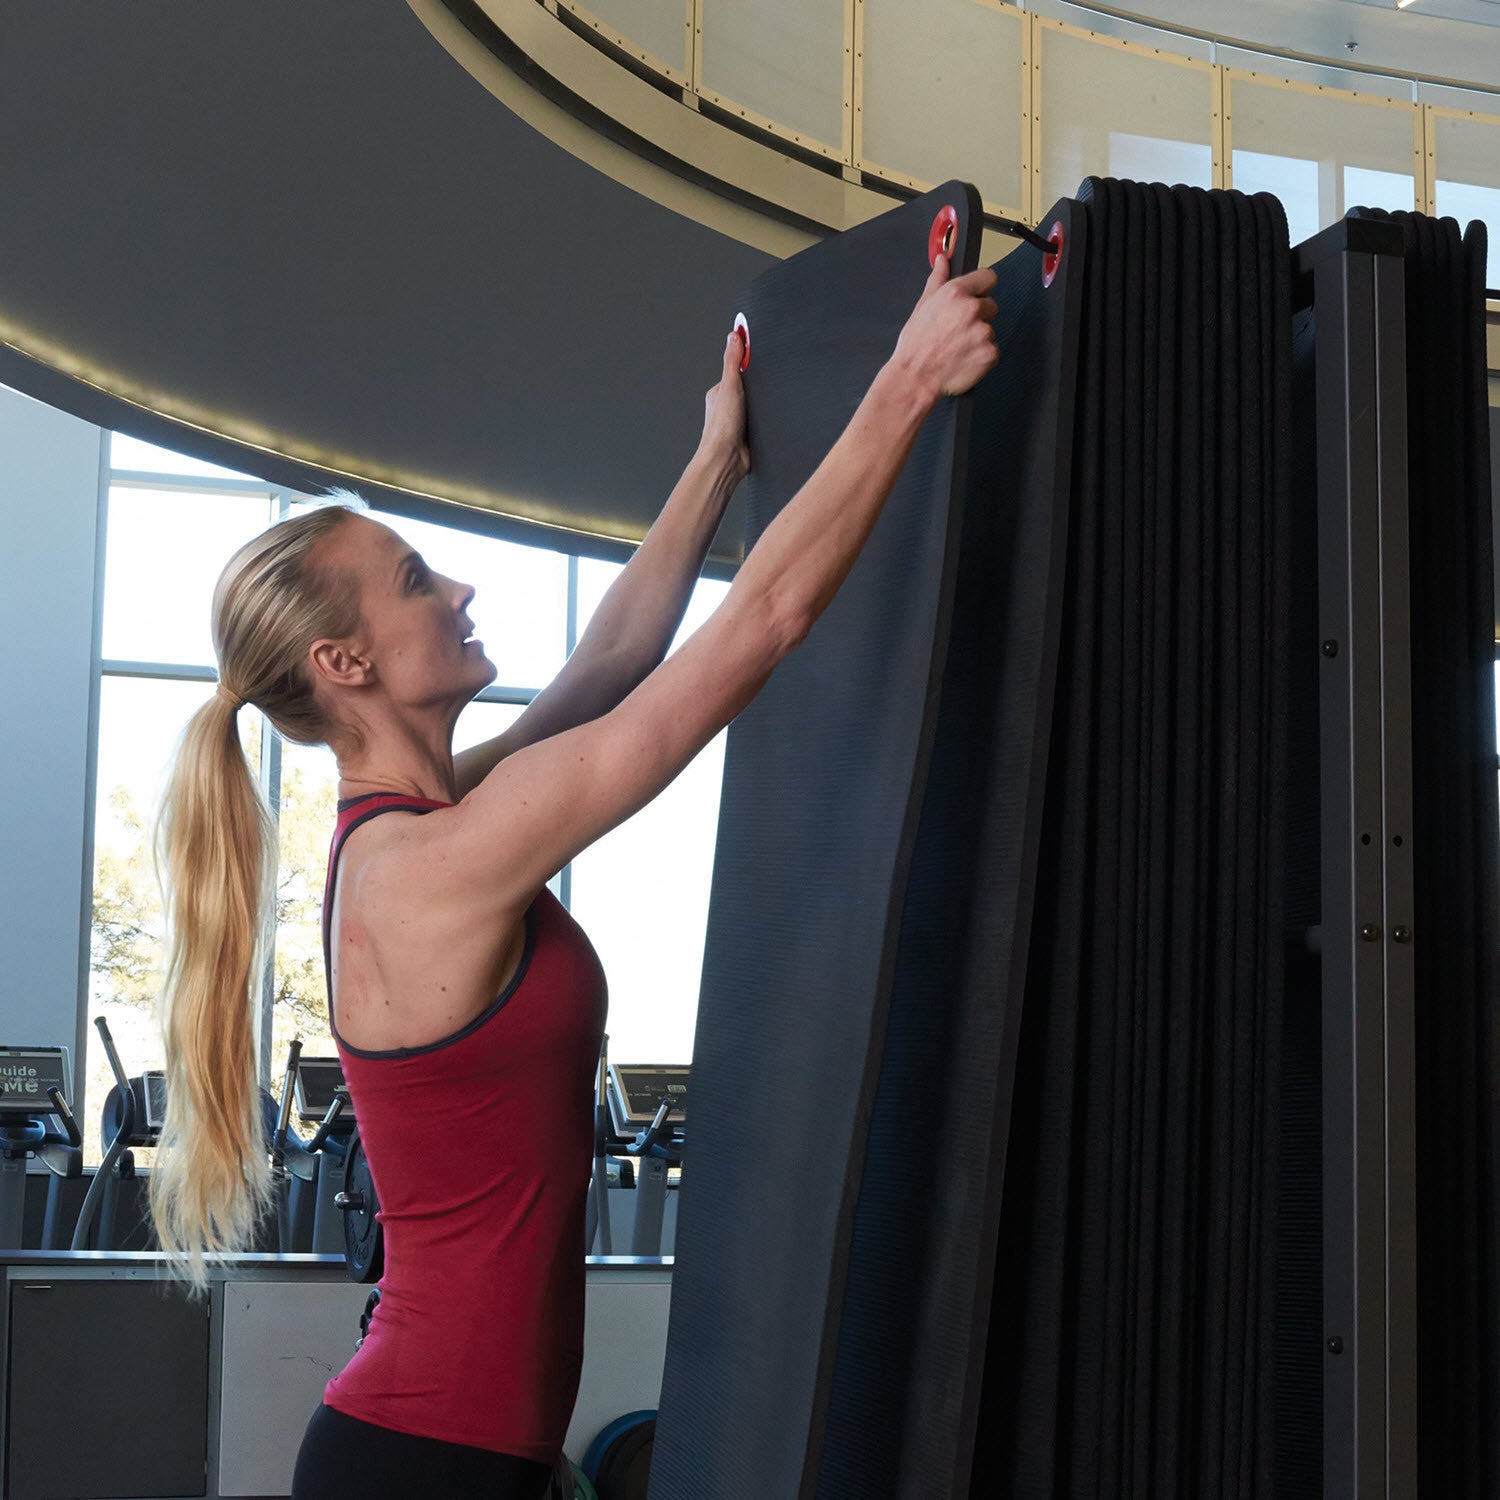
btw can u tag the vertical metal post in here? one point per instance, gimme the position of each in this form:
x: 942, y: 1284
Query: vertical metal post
x: 1369, y: 1263
x: 270, y: 782
x: 570, y: 640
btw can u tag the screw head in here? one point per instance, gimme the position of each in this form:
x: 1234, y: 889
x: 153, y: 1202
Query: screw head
x: 1402, y: 934
x: 1369, y: 932
x: 1330, y: 648
x: 1335, y: 1345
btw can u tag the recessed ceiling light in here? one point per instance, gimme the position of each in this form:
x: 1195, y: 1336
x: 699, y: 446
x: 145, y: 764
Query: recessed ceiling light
x: 1402, y: 4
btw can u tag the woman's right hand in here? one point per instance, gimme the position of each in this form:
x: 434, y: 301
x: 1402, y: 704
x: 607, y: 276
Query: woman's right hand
x: 948, y: 345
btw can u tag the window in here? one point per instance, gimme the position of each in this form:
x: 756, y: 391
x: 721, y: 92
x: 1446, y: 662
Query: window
x: 1320, y: 152
x: 642, y: 892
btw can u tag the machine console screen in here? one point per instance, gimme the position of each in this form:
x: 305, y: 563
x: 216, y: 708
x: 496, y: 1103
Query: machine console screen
x: 317, y: 1078
x: 642, y: 1087
x: 26, y: 1073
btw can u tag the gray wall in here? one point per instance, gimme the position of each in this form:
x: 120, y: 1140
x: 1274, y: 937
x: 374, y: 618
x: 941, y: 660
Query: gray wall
x: 49, y: 523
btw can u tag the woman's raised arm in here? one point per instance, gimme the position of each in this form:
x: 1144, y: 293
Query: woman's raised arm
x: 541, y: 806
x: 633, y: 626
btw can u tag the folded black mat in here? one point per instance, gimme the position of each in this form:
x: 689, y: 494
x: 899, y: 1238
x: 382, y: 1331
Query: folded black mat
x: 822, y: 788
x: 1132, y: 1344
x: 880, y: 800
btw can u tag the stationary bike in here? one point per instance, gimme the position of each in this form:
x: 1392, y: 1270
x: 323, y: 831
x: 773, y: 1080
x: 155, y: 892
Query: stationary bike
x: 309, y: 1173
x: 33, y: 1094
x: 633, y: 1124
x: 134, y: 1110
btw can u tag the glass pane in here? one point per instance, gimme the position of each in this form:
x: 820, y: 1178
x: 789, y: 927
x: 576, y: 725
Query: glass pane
x: 594, y: 579
x: 1119, y: 112
x: 132, y: 453
x: 520, y: 608
x: 1320, y: 153
x: 1295, y: 183
x: 1369, y: 188
x: 781, y: 59
x: 641, y: 894
x: 139, y: 724
x: 1468, y: 177
x: 657, y: 27
x: 483, y: 721
x: 919, y: 60
x: 309, y: 798
x: 164, y: 554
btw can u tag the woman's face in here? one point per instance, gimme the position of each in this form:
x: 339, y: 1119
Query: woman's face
x: 414, y: 629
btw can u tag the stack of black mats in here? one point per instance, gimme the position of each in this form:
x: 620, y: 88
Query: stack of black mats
x: 981, y: 1180
x: 1132, y: 1347
x: 847, y: 1069
x: 1456, y: 858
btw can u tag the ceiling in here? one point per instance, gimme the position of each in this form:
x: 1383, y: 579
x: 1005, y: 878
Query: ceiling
x: 308, y: 244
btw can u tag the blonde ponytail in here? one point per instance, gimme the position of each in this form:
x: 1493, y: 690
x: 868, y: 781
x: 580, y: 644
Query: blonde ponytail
x: 211, y: 1183
x: 217, y: 858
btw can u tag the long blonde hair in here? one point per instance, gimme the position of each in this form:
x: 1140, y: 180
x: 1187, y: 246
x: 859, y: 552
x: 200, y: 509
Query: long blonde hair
x: 217, y: 858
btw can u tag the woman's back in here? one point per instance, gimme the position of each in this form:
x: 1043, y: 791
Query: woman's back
x: 479, y: 1144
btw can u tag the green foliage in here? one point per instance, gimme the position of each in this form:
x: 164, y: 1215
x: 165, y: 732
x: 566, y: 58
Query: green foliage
x: 126, y: 944
x: 127, y: 949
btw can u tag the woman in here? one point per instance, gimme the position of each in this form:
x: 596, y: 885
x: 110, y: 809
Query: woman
x: 459, y: 989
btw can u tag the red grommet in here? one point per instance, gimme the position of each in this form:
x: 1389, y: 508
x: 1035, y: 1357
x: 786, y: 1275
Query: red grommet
x: 742, y: 327
x: 943, y: 234
x: 1053, y: 258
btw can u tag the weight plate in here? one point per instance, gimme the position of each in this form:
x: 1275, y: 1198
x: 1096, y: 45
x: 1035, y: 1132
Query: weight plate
x: 364, y: 1243
x: 625, y: 1466
x: 609, y: 1435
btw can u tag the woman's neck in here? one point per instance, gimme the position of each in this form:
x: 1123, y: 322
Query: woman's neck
x: 400, y: 760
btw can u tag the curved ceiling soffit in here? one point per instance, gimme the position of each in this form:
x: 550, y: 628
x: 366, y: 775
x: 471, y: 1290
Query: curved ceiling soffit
x: 146, y: 335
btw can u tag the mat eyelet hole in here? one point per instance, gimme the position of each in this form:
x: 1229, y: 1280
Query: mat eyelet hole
x: 943, y: 235
x: 1053, y: 258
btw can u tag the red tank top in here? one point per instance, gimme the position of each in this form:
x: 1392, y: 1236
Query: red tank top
x: 480, y: 1146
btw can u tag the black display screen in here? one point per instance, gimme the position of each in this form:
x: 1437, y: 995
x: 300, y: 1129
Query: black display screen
x: 26, y: 1073
x: 317, y: 1078
x: 640, y: 1088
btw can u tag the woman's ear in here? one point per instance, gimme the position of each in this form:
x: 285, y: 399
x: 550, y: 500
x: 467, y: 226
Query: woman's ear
x: 340, y: 664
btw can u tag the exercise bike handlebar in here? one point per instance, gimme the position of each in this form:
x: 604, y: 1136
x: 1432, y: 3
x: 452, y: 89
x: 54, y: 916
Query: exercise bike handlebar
x: 65, y: 1114
x: 284, y: 1116
x: 89, y: 1209
x: 122, y: 1081
x: 648, y: 1140
x: 340, y: 1099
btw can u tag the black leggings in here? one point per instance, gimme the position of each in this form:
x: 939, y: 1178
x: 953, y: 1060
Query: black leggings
x: 342, y: 1456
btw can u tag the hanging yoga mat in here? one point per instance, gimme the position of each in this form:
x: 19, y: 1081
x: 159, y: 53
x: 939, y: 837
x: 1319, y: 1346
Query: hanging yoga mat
x: 892, y: 1034
x: 823, y: 783
x: 912, y: 1332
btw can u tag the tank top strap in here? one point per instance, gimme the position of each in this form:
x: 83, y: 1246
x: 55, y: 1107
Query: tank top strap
x: 352, y: 812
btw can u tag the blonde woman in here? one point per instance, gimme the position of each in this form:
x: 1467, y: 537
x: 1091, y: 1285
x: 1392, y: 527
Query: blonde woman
x: 459, y: 988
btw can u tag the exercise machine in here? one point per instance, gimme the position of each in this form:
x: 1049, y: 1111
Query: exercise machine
x: 35, y: 1120
x: 308, y: 1172
x: 638, y: 1143
x: 133, y: 1114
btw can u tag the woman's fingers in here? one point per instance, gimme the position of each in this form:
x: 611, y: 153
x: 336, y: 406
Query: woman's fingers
x: 734, y: 352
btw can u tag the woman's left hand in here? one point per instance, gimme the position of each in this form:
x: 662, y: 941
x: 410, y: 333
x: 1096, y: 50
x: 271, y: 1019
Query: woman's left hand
x: 723, y: 443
